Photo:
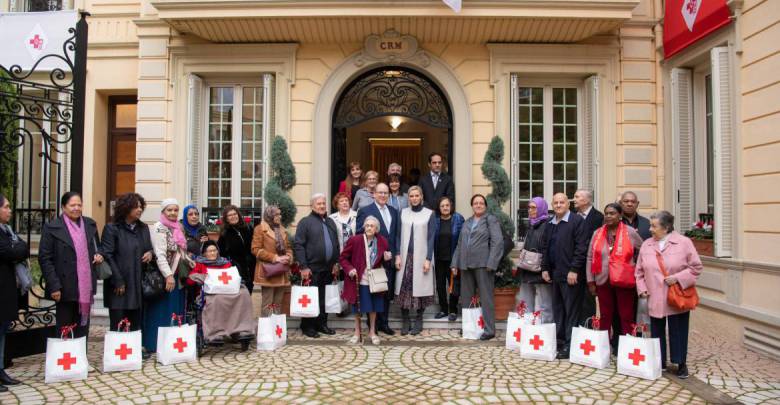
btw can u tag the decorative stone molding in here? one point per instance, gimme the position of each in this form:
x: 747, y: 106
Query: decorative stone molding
x: 390, y: 48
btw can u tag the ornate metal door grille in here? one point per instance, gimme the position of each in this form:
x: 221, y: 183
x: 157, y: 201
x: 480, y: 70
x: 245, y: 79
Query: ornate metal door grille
x: 41, y: 133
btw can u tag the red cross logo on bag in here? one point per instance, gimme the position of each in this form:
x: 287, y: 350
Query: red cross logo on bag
x: 304, y: 300
x: 66, y: 361
x: 225, y: 278
x: 637, y: 357
x: 587, y: 347
x: 536, y: 342
x: 123, y: 351
x: 279, y: 331
x: 481, y: 322
x: 180, y: 345
x: 517, y: 335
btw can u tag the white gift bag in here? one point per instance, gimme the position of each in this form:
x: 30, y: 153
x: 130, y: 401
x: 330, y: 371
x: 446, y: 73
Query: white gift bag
x: 344, y: 303
x: 589, y: 347
x: 66, y: 358
x: 122, y: 350
x: 304, y: 302
x: 271, y: 332
x: 176, y: 344
x: 222, y: 281
x: 473, y: 324
x: 514, y: 324
x: 280, y: 329
x: 332, y: 299
x: 639, y: 357
x: 538, y: 342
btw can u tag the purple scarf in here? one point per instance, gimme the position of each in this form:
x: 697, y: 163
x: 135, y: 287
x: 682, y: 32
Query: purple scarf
x: 83, y: 267
x: 541, y: 211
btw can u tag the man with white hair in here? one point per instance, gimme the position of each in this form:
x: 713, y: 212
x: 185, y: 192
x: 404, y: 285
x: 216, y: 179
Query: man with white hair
x: 395, y: 168
x: 594, y: 219
x: 316, y: 249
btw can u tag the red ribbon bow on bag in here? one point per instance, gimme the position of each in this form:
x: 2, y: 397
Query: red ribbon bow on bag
x: 124, y: 322
x: 521, y: 307
x: 475, y: 300
x: 596, y: 322
x: 272, y: 307
x: 175, y: 317
x: 637, y: 327
x: 536, y: 316
x: 67, y: 330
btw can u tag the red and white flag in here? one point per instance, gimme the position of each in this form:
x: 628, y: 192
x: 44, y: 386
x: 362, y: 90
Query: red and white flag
x: 453, y: 4
x: 690, y: 9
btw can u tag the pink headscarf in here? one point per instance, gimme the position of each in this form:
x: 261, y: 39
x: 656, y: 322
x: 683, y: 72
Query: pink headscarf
x: 178, y: 235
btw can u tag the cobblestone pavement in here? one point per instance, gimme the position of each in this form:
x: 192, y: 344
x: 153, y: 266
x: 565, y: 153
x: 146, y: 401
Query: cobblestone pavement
x: 436, y: 367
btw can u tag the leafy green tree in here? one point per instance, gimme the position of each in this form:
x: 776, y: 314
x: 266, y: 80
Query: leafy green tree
x: 282, y: 181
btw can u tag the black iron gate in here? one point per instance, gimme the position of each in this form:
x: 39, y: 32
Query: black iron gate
x: 41, y: 157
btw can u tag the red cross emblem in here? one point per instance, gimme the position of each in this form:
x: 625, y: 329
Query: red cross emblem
x: 517, y: 334
x: 481, y: 322
x: 66, y: 361
x: 36, y: 42
x: 304, y: 300
x: 690, y: 6
x: 225, y: 278
x: 123, y: 351
x: 587, y: 347
x: 536, y: 342
x: 180, y: 345
x: 637, y: 357
x: 279, y: 331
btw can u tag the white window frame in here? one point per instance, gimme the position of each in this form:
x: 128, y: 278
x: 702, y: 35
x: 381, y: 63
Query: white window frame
x: 266, y: 82
x: 701, y: 158
x: 516, y: 82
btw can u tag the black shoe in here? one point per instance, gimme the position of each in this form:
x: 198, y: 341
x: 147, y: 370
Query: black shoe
x: 487, y: 336
x: 682, y: 371
x: 440, y: 315
x: 326, y: 330
x: 311, y: 333
x: 5, y: 379
x: 452, y: 317
x: 145, y: 355
x: 3, y: 388
x: 386, y: 330
x: 563, y: 354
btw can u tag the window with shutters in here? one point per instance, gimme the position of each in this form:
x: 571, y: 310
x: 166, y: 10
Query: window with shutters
x: 232, y: 153
x: 550, y: 140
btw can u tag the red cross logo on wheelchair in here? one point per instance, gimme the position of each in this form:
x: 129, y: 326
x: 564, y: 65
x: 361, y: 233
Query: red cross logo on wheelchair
x: 279, y: 331
x: 225, y: 278
x: 123, y: 351
x: 180, y: 345
x: 587, y: 347
x: 66, y: 361
x: 304, y: 300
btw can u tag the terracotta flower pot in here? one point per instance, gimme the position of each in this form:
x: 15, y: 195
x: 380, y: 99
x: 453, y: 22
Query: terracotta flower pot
x: 504, y: 300
x: 705, y: 247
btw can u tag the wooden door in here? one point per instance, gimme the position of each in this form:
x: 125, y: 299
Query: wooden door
x: 121, y: 148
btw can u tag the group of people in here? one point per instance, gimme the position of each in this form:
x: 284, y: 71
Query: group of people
x: 413, y: 234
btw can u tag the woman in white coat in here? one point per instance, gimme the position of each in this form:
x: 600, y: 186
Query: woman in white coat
x: 414, y: 281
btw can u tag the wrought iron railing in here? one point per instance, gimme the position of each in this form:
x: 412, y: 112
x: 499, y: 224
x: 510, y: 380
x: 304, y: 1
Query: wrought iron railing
x: 31, y: 220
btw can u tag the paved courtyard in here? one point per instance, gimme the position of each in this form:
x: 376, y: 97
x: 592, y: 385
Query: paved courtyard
x: 436, y: 367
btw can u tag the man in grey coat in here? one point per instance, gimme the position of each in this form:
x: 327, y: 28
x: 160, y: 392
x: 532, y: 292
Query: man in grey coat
x: 479, y: 251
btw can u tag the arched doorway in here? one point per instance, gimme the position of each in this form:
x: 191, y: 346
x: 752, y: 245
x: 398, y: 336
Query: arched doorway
x: 390, y: 114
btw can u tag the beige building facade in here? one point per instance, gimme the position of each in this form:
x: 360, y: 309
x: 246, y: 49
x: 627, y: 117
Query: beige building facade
x: 579, y: 91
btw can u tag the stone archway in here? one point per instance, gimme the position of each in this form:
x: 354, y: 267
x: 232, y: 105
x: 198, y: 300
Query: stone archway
x: 421, y: 61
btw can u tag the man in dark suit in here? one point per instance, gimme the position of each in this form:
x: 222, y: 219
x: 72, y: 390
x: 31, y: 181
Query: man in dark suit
x: 630, y: 203
x: 317, y: 250
x: 390, y: 229
x: 437, y: 183
x: 594, y: 219
x: 563, y: 265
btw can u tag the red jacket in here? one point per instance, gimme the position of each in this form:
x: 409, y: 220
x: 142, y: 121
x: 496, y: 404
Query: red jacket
x: 354, y: 257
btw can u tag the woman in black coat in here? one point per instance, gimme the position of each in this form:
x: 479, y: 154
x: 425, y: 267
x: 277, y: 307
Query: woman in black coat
x: 126, y: 246
x: 235, y: 244
x: 13, y: 250
x: 59, y: 256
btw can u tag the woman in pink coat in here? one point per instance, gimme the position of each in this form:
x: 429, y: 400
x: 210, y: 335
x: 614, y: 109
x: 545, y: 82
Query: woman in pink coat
x: 683, y: 265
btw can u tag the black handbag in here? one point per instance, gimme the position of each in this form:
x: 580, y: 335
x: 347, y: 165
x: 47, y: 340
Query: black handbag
x: 152, y: 282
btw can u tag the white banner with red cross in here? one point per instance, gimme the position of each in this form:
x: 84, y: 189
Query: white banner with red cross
x: 222, y: 281
x: 66, y: 358
x: 590, y: 347
x: 304, y: 302
x: 538, y: 341
x: 272, y: 331
x: 122, y: 349
x: 639, y: 356
x: 176, y: 344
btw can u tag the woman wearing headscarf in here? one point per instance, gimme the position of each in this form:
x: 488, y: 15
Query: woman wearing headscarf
x: 235, y: 244
x: 271, y: 248
x: 13, y: 251
x: 68, y: 253
x: 534, y: 291
x: 414, y: 279
x: 170, y: 249
x: 194, y: 230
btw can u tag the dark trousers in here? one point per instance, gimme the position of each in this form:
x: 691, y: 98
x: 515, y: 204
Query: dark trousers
x: 319, y: 279
x: 448, y: 302
x: 68, y: 314
x: 4, y: 325
x: 132, y: 315
x: 567, y: 307
x: 678, y: 336
x: 382, y: 317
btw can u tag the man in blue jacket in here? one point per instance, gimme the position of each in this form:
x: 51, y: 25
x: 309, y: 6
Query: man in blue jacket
x: 563, y: 265
x: 390, y: 228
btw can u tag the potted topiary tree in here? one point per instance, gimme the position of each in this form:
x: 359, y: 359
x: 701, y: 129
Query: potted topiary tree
x: 506, y: 285
x: 281, y: 181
